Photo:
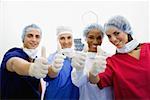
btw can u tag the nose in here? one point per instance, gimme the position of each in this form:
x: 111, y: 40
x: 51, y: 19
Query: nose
x: 66, y: 41
x: 33, y: 38
x: 95, y: 41
x: 113, y: 39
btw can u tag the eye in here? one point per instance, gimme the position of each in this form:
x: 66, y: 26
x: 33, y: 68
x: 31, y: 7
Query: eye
x: 37, y: 36
x: 90, y: 37
x: 62, y: 38
x: 69, y: 37
x: 109, y: 36
x: 99, y: 38
x: 29, y: 35
x: 116, y: 33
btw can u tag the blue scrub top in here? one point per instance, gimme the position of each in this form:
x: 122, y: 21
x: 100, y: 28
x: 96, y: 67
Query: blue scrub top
x: 61, y: 87
x: 14, y: 86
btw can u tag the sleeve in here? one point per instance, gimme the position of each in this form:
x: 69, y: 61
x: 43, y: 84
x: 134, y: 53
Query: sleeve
x: 107, y: 76
x: 9, y: 54
x: 79, y: 78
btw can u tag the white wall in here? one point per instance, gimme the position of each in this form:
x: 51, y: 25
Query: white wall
x: 14, y: 15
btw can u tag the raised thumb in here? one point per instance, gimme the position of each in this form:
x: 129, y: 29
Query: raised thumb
x: 59, y: 48
x: 99, y: 50
x: 43, y: 52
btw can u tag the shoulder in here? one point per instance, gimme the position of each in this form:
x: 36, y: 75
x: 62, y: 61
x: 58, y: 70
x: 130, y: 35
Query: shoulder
x: 145, y: 44
x: 116, y: 56
x: 15, y: 49
x: 15, y: 52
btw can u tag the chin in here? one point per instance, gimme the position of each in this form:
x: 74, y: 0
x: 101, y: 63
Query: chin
x: 92, y: 50
x: 120, y: 46
x: 33, y: 47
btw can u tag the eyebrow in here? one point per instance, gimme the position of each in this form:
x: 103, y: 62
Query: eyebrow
x: 90, y: 35
x: 116, y: 32
x: 69, y: 36
x: 62, y: 37
x: 33, y: 34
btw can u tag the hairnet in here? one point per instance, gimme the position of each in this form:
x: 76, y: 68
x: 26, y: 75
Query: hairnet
x: 29, y: 28
x: 63, y: 29
x: 91, y: 27
x: 120, y: 23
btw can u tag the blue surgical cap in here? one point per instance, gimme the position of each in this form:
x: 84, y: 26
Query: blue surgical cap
x: 120, y: 23
x: 29, y: 28
x: 91, y: 27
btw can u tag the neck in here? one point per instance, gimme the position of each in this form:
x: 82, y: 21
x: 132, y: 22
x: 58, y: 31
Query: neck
x: 130, y: 46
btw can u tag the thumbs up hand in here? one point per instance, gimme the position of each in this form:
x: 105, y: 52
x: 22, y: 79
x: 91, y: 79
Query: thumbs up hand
x: 59, y: 59
x: 99, y: 64
x: 39, y: 68
x: 79, y: 58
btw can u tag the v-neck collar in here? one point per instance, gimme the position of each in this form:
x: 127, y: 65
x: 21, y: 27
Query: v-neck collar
x: 140, y: 55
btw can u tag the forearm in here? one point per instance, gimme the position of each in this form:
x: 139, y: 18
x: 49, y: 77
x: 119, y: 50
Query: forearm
x: 18, y: 65
x: 93, y: 79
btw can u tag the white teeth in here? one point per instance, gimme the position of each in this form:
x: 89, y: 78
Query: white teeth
x: 94, y: 46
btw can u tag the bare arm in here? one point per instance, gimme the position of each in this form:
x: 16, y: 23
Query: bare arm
x: 93, y: 79
x: 18, y: 65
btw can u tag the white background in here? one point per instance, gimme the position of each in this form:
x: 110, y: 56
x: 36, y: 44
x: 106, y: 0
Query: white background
x: 15, y: 15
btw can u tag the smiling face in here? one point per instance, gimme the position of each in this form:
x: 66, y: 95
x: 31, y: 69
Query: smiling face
x: 94, y: 39
x: 32, y: 39
x: 65, y: 40
x: 117, y: 37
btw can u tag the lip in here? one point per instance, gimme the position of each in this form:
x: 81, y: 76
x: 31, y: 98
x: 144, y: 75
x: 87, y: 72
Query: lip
x: 117, y: 43
x: 33, y: 44
x: 94, y: 46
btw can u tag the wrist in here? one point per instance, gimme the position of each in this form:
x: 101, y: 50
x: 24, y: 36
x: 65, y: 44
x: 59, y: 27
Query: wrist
x: 55, y: 70
x: 93, y: 79
x: 30, y: 70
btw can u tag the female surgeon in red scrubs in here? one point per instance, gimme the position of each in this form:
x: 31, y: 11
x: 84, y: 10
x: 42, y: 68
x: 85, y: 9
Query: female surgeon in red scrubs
x: 128, y: 71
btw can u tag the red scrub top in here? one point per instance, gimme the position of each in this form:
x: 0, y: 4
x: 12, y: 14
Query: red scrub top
x: 129, y: 76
